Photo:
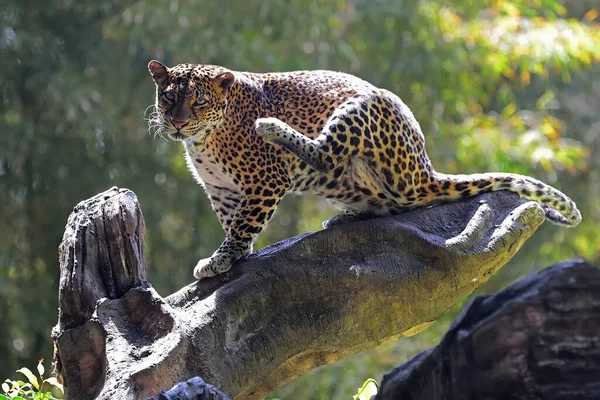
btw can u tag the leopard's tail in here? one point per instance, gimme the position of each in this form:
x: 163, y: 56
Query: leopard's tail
x: 559, y: 209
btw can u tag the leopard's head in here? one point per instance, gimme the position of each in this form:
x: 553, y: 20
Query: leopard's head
x: 191, y: 99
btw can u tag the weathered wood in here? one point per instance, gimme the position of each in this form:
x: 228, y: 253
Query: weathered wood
x: 307, y: 301
x: 537, y: 339
x: 102, y: 254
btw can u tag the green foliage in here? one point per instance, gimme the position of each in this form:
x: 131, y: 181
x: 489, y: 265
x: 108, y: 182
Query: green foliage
x: 32, y: 389
x: 506, y: 85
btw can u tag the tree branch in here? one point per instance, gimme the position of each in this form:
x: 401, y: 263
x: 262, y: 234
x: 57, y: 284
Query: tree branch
x: 307, y: 301
x: 538, y: 338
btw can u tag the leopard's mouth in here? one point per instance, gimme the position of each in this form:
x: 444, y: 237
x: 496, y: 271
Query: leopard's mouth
x: 187, y: 131
x: 182, y: 134
x: 178, y: 135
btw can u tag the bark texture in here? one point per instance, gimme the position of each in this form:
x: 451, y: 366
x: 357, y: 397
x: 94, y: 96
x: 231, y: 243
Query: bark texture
x: 537, y: 339
x: 307, y: 301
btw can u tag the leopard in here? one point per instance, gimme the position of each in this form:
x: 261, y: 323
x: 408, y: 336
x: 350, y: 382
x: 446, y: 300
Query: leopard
x: 251, y: 138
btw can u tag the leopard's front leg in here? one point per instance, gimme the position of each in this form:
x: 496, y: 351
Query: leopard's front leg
x: 312, y: 151
x: 225, y: 202
x: 341, y: 136
x: 254, y: 211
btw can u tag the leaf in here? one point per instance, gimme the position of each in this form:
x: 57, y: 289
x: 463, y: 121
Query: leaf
x: 509, y: 9
x: 14, y: 390
x: 40, y: 367
x: 544, y: 100
x: 368, y: 390
x: 525, y: 77
x: 509, y: 110
x: 3, y: 397
x: 54, y: 382
x: 591, y: 15
x: 30, y: 376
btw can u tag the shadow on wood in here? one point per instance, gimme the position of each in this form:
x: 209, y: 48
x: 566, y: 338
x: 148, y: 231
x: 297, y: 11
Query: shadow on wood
x: 307, y: 301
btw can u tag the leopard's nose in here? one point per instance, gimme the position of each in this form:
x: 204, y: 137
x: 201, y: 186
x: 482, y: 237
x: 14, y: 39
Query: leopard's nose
x: 179, y: 124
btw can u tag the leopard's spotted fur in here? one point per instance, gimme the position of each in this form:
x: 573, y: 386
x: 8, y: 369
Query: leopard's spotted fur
x: 252, y: 138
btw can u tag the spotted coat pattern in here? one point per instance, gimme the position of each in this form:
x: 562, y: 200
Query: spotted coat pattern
x: 252, y: 138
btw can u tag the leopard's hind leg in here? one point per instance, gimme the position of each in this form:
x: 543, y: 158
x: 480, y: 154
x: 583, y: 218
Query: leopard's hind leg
x: 349, y: 216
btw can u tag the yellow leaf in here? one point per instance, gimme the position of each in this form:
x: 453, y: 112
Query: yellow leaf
x: 546, y: 164
x: 509, y: 110
x: 509, y: 73
x: 510, y: 9
x: 549, y: 129
x: 591, y: 15
x: 525, y: 77
x: 475, y: 108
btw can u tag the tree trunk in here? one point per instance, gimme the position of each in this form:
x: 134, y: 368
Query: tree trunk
x: 537, y: 339
x: 307, y: 301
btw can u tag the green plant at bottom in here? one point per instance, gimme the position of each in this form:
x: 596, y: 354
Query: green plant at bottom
x: 48, y: 389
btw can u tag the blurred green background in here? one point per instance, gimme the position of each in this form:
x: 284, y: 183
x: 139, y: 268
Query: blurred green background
x: 497, y: 86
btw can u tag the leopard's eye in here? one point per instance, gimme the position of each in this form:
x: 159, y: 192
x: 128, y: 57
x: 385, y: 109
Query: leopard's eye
x: 169, y: 96
x: 200, y: 102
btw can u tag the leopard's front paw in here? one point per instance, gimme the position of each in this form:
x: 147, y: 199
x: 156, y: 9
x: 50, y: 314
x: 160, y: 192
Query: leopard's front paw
x: 215, y: 265
x: 269, y: 129
x: 204, y: 269
x: 212, y: 266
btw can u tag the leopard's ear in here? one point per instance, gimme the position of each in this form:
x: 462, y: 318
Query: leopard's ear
x: 158, y: 71
x: 224, y: 80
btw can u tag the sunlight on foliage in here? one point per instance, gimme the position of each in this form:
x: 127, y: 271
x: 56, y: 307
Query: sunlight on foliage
x: 49, y: 389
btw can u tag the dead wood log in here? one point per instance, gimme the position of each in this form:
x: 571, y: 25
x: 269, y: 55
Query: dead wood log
x: 537, y: 339
x: 307, y: 301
